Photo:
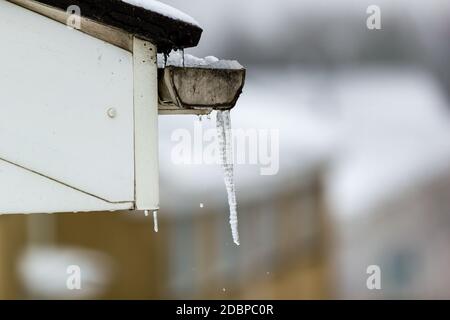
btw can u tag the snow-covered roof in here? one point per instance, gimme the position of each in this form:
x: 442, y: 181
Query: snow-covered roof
x: 168, y: 28
x: 164, y: 9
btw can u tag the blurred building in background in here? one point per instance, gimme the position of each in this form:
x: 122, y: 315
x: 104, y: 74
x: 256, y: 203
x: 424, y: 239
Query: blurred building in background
x: 364, y: 153
x: 407, y: 238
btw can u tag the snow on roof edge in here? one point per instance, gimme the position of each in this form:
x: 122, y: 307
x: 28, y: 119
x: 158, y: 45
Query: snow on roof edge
x: 164, y: 10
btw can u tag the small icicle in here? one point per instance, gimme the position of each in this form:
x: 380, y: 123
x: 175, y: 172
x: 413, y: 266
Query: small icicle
x: 155, y: 220
x: 182, y: 53
x: 226, y: 157
x: 166, y: 56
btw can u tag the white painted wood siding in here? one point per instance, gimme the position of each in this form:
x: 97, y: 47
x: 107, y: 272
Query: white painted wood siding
x: 59, y: 149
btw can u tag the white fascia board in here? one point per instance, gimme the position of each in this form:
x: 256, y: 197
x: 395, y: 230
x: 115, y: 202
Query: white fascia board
x: 146, y: 125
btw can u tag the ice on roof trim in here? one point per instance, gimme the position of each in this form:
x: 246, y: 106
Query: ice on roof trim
x: 163, y: 9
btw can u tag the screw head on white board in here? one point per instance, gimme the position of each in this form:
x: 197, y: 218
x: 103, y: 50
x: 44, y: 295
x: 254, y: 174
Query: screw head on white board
x: 112, y: 113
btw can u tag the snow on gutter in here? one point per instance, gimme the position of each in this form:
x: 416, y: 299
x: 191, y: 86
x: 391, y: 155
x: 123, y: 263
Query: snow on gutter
x: 179, y: 59
x: 191, y: 85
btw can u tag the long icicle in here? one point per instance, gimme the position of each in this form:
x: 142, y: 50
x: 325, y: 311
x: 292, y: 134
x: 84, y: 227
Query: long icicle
x: 226, y: 158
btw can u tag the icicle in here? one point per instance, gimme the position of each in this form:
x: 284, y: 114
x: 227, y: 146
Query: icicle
x: 155, y: 220
x: 226, y: 158
x: 166, y: 56
x: 182, y: 53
